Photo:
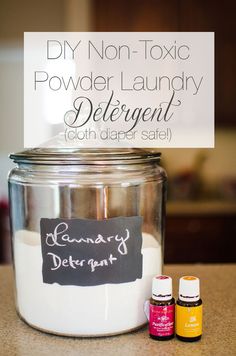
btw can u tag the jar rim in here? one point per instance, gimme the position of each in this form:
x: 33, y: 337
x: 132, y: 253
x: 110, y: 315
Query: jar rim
x: 92, y: 156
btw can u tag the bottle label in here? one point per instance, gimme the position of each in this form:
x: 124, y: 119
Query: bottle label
x: 90, y: 252
x: 188, y: 321
x: 161, y: 320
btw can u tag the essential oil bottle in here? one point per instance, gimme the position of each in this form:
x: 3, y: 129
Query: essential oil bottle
x: 189, y: 310
x: 161, y: 309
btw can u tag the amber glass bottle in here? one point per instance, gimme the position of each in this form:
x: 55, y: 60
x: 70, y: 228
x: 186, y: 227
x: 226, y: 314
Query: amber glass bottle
x: 161, y: 309
x: 189, y: 310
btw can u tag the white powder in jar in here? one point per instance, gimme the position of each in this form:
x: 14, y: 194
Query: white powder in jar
x: 75, y: 310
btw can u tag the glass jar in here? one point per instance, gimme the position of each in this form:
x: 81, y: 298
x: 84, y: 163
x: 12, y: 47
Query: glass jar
x: 87, y: 237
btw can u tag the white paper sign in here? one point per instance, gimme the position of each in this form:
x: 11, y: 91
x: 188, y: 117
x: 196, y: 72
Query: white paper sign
x: 117, y: 89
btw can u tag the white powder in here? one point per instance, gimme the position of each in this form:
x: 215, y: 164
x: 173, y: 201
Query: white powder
x: 74, y: 310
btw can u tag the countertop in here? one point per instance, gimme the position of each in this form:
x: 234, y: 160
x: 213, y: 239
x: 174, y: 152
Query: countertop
x: 219, y: 334
x: 201, y: 207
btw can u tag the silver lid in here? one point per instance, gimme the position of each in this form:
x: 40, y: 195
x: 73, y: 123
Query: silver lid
x: 85, y: 156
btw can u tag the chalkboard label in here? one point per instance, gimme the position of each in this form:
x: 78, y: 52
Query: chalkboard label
x: 86, y: 252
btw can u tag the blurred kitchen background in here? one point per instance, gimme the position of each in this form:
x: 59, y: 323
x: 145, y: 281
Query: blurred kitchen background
x: 201, y: 209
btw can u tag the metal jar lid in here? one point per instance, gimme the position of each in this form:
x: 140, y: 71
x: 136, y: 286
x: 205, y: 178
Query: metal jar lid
x: 78, y: 156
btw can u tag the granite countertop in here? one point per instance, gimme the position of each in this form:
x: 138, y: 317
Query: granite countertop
x: 219, y: 337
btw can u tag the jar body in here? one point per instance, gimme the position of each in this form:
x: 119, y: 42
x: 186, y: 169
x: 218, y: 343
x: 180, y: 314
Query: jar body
x: 91, y: 193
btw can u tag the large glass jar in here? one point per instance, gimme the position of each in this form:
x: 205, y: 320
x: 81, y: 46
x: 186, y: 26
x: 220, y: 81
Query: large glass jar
x: 87, y: 233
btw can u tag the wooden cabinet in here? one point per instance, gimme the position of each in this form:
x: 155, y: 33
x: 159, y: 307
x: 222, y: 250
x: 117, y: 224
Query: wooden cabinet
x: 5, y: 240
x: 200, y: 239
x: 135, y: 15
x: 218, y: 17
x: 182, y: 15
